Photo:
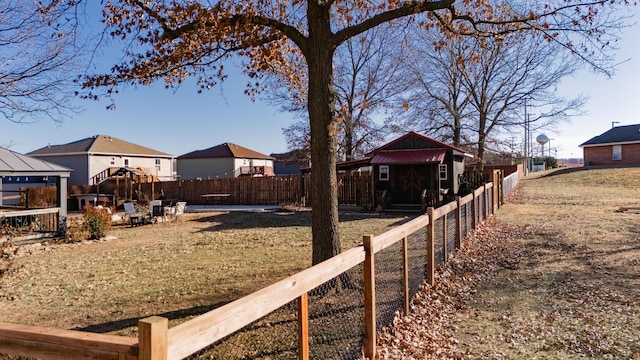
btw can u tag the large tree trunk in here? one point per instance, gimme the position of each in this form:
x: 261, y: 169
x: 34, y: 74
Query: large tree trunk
x: 326, y: 240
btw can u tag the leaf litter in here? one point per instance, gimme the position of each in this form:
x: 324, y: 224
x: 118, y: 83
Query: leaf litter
x: 544, y: 281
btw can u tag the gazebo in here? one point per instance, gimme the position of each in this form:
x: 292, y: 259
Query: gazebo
x: 17, y: 169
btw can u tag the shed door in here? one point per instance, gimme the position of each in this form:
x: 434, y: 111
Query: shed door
x: 409, y: 182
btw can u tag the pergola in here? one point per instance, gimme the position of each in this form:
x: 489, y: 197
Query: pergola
x: 21, y: 168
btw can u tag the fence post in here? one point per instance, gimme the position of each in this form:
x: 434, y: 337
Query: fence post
x: 405, y: 273
x: 430, y: 268
x: 152, y: 338
x: 369, y: 299
x: 458, y: 223
x: 303, y: 327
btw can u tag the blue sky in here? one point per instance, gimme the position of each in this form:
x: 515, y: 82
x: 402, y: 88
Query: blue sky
x: 172, y: 121
x: 614, y: 99
x: 180, y: 121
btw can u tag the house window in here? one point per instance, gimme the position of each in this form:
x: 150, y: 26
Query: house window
x: 158, y: 164
x: 384, y: 172
x: 113, y: 161
x: 443, y: 172
x: 617, y: 152
x: 126, y: 162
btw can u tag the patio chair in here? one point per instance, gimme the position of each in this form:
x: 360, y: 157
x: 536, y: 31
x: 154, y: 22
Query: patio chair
x: 135, y: 218
x: 180, y: 208
x: 157, y: 211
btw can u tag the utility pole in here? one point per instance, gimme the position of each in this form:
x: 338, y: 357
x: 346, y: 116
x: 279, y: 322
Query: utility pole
x: 525, y: 159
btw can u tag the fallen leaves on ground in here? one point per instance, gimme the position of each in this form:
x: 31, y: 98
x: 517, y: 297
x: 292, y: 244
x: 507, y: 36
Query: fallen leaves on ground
x: 565, y: 286
x: 426, y: 333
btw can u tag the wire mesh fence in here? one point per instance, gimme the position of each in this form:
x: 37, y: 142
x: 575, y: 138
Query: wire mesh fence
x: 330, y: 319
x: 452, y: 232
x: 389, y: 283
x: 438, y: 241
x: 469, y: 218
x: 417, y: 260
x: 463, y: 221
x: 272, y: 337
x: 336, y: 317
x: 335, y: 324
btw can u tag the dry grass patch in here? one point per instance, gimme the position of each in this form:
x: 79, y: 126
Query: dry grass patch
x: 564, y: 286
x: 575, y: 292
x: 178, y: 270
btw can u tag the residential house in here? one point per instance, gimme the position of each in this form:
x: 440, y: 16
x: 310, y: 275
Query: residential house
x: 224, y: 161
x: 618, y: 146
x: 290, y: 163
x: 96, y: 158
x: 413, y: 170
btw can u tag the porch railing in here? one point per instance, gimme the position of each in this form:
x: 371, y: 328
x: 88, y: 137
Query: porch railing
x: 34, y: 222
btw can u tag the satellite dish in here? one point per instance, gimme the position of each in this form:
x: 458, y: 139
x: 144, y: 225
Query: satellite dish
x: 542, y: 139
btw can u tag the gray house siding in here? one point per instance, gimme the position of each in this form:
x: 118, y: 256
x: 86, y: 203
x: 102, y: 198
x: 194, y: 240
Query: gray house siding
x: 79, y: 164
x: 190, y: 169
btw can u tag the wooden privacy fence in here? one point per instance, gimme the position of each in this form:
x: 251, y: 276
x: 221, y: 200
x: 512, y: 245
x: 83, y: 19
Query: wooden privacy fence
x: 353, y: 189
x: 332, y: 310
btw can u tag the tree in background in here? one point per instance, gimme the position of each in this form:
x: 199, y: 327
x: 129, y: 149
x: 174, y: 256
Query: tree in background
x: 504, y: 73
x: 366, y: 79
x: 435, y: 102
x: 39, y: 54
x: 476, y: 88
x: 177, y: 39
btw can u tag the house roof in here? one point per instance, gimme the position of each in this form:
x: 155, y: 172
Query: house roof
x: 99, y: 144
x: 628, y: 134
x: 226, y: 150
x: 13, y: 163
x: 388, y: 145
x: 413, y: 156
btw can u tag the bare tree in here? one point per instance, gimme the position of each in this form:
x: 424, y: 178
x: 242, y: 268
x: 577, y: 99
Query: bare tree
x: 177, y: 39
x: 435, y: 102
x: 38, y: 59
x: 366, y: 80
x: 504, y: 73
x: 475, y: 89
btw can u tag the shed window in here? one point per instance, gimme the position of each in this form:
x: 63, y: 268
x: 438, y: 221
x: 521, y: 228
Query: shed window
x: 617, y: 152
x: 384, y: 172
x: 158, y: 164
x: 126, y: 162
x: 443, y: 172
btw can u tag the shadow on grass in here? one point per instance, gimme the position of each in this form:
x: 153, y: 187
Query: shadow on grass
x: 569, y: 170
x: 122, y: 324
x: 281, y: 219
x: 564, y: 171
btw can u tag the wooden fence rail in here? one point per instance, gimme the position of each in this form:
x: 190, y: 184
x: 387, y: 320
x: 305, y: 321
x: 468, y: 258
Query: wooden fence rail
x: 157, y: 342
x: 45, y: 343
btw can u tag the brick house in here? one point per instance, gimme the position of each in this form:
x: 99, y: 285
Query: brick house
x: 619, y: 146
